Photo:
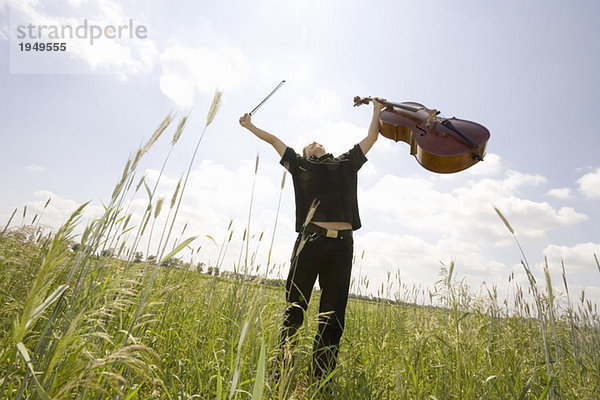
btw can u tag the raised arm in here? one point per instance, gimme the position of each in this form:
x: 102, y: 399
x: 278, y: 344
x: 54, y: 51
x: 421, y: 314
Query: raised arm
x: 373, y: 132
x: 278, y: 145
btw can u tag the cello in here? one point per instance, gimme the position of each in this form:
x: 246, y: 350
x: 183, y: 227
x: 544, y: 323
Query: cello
x: 442, y: 145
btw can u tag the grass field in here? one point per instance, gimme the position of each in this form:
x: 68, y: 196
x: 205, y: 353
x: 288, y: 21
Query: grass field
x: 81, y: 322
x: 200, y: 336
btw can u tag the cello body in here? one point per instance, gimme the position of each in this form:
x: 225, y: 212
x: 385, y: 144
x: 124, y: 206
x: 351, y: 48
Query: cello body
x: 442, y: 145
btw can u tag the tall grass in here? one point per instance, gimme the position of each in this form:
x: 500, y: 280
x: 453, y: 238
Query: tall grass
x: 59, y: 323
x: 80, y: 324
x: 195, y: 346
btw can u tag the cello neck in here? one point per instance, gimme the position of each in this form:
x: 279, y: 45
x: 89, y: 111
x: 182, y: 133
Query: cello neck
x: 365, y: 100
x: 400, y: 105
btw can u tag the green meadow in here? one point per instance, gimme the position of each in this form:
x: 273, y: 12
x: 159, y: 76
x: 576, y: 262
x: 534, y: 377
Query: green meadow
x: 86, y: 316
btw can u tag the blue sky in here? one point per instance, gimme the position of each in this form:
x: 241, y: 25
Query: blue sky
x: 525, y: 70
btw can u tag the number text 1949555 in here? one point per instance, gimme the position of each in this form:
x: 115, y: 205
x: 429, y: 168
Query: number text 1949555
x: 41, y: 46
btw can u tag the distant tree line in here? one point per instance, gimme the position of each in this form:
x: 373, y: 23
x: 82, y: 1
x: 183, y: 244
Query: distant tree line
x: 202, y: 268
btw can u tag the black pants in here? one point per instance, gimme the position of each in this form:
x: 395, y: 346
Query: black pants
x: 330, y: 260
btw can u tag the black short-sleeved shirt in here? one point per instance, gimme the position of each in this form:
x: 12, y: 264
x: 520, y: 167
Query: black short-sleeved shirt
x: 331, y: 180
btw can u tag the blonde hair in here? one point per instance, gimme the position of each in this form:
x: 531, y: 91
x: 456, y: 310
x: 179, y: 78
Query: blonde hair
x: 304, y: 150
x: 305, y: 147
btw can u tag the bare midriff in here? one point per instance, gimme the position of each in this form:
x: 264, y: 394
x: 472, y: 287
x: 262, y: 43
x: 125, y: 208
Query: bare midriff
x: 338, y: 226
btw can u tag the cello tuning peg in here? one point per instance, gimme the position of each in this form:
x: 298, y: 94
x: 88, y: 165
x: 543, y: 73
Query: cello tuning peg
x: 361, y: 100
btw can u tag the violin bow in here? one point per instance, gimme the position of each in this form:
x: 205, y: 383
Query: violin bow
x: 267, y: 98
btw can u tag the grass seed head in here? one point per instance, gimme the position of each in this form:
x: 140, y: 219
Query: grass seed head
x: 142, y: 180
x: 214, y: 107
x: 505, y: 221
x: 548, y: 282
x: 119, y: 186
x: 311, y: 211
x: 161, y: 128
x: 179, y: 129
x: 450, y: 271
x: 176, y: 192
x: 158, y: 207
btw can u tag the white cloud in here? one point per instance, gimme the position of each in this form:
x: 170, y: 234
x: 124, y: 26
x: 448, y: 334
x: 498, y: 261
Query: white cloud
x: 35, y: 168
x: 153, y: 174
x: 491, y: 165
x: 576, y: 258
x: 121, y: 56
x: 384, y: 252
x: 589, y: 184
x: 516, y: 180
x: 560, y: 193
x: 368, y: 171
x: 216, y: 195
x: 56, y: 212
x: 186, y: 71
x: 418, y: 262
x: 114, y: 56
x: 533, y: 219
x: 465, y: 214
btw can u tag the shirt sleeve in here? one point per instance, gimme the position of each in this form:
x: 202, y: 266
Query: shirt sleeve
x: 355, y: 156
x: 290, y: 160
